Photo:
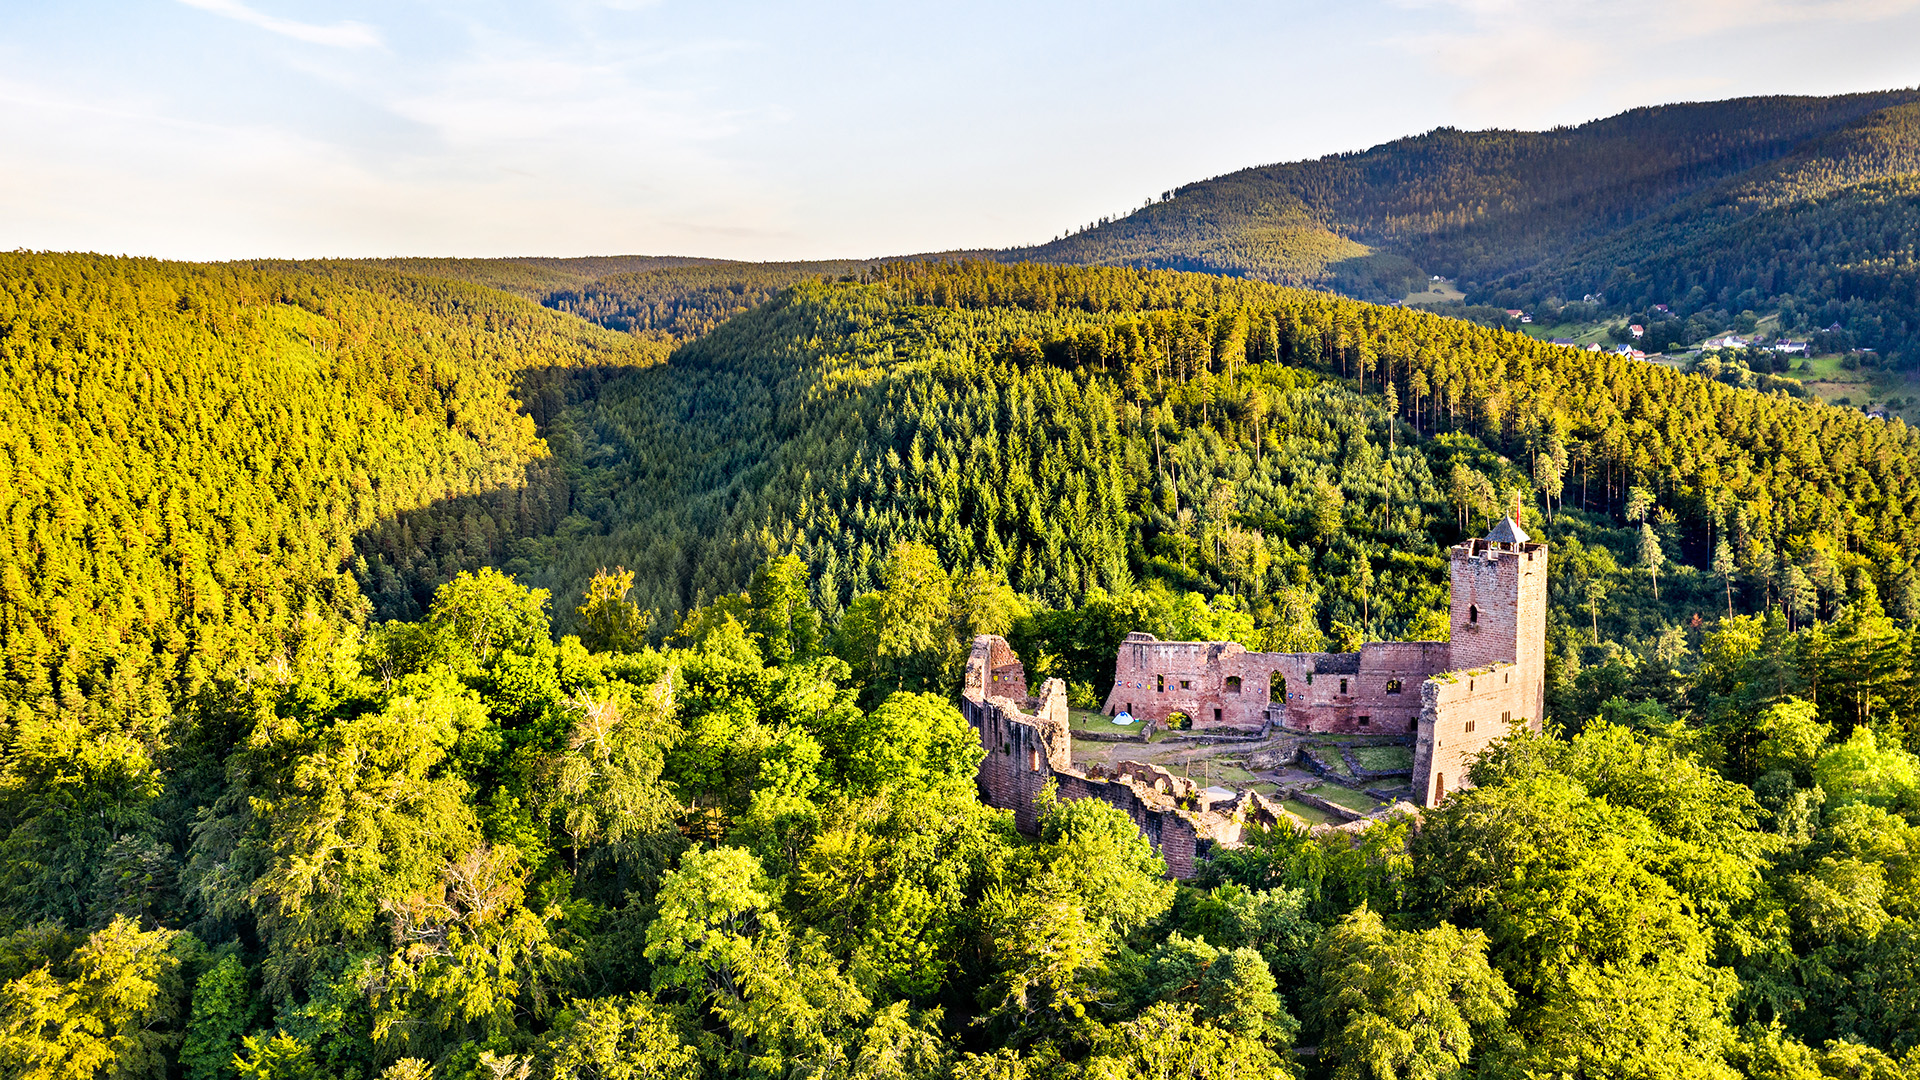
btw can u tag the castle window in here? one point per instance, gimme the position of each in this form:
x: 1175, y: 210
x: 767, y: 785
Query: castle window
x: 1473, y: 613
x: 1277, y: 687
x: 1508, y: 677
x: 1439, y: 786
x: 1233, y: 684
x: 1413, y: 724
x: 1506, y: 717
x: 1469, y: 726
x: 1033, y: 761
x: 1343, y: 686
x: 1393, y: 686
x: 1366, y: 721
x: 1185, y: 685
x: 1160, y: 684
x: 1216, y: 716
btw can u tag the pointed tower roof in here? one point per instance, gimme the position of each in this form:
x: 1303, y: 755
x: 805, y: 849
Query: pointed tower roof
x: 1508, y: 531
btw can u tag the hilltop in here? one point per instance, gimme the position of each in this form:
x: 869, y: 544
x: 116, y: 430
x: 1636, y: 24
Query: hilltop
x: 1799, y: 204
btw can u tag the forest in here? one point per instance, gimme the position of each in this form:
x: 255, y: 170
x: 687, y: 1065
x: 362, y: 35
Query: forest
x: 408, y: 680
x: 1801, y: 205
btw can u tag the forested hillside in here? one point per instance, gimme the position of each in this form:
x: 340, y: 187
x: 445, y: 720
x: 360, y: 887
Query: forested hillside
x: 197, y: 456
x: 536, y: 278
x: 1083, y: 428
x: 1639, y: 207
x: 681, y: 303
x: 1825, y: 235
x: 296, y: 784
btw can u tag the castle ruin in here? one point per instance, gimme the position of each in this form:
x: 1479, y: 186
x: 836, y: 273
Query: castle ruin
x: 1029, y: 746
x: 1450, y: 699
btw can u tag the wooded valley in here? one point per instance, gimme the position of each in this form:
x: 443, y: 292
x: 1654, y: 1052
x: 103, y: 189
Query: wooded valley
x: 408, y: 679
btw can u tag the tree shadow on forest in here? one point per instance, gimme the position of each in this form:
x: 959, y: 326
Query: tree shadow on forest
x: 400, y: 559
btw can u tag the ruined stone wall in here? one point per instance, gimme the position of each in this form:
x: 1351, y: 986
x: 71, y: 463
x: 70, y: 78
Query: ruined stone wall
x: 994, y: 670
x: 1029, y: 743
x: 1170, y: 832
x: 1462, y: 713
x: 1221, y: 684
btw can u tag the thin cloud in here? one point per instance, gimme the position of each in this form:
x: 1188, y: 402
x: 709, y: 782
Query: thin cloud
x: 345, y: 35
x: 1557, y: 55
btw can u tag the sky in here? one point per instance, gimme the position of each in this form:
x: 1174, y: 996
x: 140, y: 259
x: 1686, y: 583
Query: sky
x: 221, y: 129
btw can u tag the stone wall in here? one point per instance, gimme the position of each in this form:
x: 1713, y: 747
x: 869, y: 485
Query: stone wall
x: 1462, y: 713
x: 1498, y: 618
x: 1029, y: 744
x: 1222, y: 684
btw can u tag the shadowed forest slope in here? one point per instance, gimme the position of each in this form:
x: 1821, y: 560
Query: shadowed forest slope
x: 192, y: 452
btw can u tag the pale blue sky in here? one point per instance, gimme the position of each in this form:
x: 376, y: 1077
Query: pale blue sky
x: 238, y: 128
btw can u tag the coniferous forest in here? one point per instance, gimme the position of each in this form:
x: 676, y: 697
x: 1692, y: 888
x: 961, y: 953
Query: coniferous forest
x: 1801, y: 206
x: 406, y: 678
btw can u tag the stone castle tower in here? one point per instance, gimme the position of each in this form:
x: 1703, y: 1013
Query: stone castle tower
x: 1497, y: 659
x: 1499, y: 608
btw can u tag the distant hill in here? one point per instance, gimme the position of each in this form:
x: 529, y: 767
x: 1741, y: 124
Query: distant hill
x: 1757, y: 202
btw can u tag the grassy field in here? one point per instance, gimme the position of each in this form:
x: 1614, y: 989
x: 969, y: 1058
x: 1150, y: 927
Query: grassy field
x: 1347, y: 797
x: 1331, y: 755
x: 1583, y: 333
x: 1831, y: 382
x: 1438, y: 292
x: 1222, y: 772
x: 1089, y: 720
x: 1384, y: 758
x: 1312, y: 815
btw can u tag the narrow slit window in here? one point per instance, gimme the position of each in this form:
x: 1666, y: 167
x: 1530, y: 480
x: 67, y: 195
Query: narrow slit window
x: 1473, y: 613
x: 1343, y: 686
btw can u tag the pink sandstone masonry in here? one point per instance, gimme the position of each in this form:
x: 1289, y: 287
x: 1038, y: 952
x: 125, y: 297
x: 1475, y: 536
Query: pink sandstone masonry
x: 1498, y: 616
x: 1029, y: 745
x: 1449, y: 699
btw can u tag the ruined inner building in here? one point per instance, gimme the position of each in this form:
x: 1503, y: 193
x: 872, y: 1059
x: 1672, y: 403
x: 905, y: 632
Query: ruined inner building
x: 1450, y: 699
